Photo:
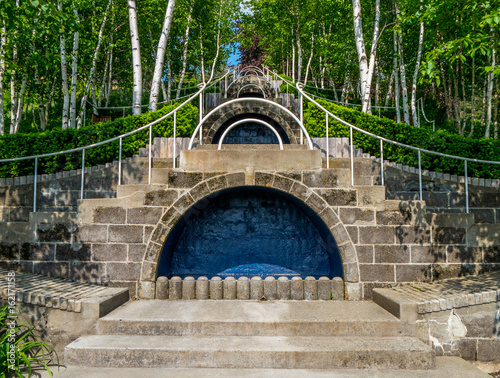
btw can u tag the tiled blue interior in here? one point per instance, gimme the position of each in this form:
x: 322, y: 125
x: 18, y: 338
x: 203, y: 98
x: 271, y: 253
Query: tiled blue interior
x: 250, y: 231
x: 250, y: 133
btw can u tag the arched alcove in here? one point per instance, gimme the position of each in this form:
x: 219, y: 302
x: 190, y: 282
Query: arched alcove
x: 250, y: 231
x: 251, y: 132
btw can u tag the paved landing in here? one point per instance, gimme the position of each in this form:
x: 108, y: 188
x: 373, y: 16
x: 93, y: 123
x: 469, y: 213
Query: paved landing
x: 445, y: 367
x: 451, y: 293
x: 52, y: 292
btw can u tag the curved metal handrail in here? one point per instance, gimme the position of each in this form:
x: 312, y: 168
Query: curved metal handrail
x: 254, y: 68
x: 258, y: 77
x: 251, y: 85
x: 251, y: 120
x: 198, y: 128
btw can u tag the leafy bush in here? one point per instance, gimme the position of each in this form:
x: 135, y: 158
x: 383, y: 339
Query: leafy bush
x: 18, y: 145
x: 17, y: 338
x: 439, y: 141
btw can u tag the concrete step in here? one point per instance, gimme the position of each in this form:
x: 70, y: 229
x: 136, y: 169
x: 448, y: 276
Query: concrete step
x: 250, y: 318
x: 127, y: 190
x: 445, y: 366
x: 256, y: 352
x: 252, y: 147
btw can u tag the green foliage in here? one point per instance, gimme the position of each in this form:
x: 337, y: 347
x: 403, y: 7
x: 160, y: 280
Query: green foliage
x: 18, y: 145
x: 27, y: 349
x: 439, y: 141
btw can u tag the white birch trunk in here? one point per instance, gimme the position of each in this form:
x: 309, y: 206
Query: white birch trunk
x: 293, y: 59
x: 404, y: 90
x: 495, y: 113
x: 3, y: 41
x: 377, y: 86
x: 473, y: 99
x: 415, y: 76
x: 160, y: 56
x: 456, y: 103
x: 91, y: 79
x: 202, y: 58
x: 490, y: 93
x: 102, y: 91
x: 169, y: 78
x: 163, y: 90
x: 109, y: 87
x: 184, y: 53
x: 389, y: 91
x: 14, y: 127
x: 218, y: 42
x: 299, y: 52
x: 310, y: 60
x: 365, y: 68
x: 396, y: 79
x: 64, y: 77
x: 136, y: 58
x: 74, y: 73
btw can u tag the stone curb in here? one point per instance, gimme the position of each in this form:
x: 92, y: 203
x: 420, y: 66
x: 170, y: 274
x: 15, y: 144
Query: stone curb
x: 244, y: 288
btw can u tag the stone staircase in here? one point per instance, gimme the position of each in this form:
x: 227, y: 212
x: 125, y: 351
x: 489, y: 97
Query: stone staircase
x: 251, y: 335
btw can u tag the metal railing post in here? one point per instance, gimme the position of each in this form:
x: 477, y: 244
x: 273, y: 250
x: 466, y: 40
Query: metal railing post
x: 466, y: 188
x: 382, y: 161
x: 34, y: 185
x: 120, y: 163
x: 201, y: 117
x: 123, y: 113
x: 420, y: 176
x: 352, y: 157
x: 83, y: 174
x: 175, y: 132
x: 150, y: 155
x: 327, y: 144
x: 301, y: 113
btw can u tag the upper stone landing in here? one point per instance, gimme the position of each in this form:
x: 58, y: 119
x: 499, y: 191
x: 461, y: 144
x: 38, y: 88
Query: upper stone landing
x: 251, y: 129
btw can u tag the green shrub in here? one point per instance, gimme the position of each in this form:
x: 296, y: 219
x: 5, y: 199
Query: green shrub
x: 18, y: 145
x: 17, y: 337
x: 439, y: 141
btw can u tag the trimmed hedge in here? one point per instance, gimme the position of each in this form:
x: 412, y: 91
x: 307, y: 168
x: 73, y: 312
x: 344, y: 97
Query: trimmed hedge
x: 18, y: 145
x: 439, y: 141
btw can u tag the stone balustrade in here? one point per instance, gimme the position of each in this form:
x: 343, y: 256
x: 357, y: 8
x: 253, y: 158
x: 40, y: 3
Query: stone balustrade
x: 245, y: 288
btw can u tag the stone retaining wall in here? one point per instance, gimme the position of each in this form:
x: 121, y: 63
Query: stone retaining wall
x: 255, y: 288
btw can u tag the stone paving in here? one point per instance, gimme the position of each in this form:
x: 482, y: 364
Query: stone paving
x: 453, y: 292
x: 49, y: 292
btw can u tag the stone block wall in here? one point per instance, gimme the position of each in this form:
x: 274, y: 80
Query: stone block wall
x: 382, y: 242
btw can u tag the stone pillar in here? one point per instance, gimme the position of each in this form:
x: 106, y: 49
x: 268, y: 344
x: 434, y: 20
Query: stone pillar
x: 310, y: 289
x: 297, y: 288
x: 216, y: 288
x: 324, y: 289
x: 229, y: 288
x: 162, y: 288
x: 202, y: 288
x: 256, y: 288
x: 270, y: 289
x: 283, y: 288
x: 147, y: 290
x: 189, y: 288
x: 175, y: 288
x: 337, y: 289
x: 243, y: 288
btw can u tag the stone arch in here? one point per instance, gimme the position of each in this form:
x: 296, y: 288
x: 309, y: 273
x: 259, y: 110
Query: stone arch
x: 199, y: 193
x: 227, y: 117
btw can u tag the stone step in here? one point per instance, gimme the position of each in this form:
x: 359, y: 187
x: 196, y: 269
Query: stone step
x: 250, y: 318
x: 256, y: 352
x: 445, y: 366
x: 127, y: 190
x: 253, y: 147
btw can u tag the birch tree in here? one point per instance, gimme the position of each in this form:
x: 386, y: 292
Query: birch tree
x: 160, y: 56
x: 366, y: 67
x: 136, y: 58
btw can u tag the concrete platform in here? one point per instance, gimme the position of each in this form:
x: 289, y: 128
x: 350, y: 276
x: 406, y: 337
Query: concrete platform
x: 238, y: 160
x: 257, y: 318
x: 445, y: 366
x: 254, y: 352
